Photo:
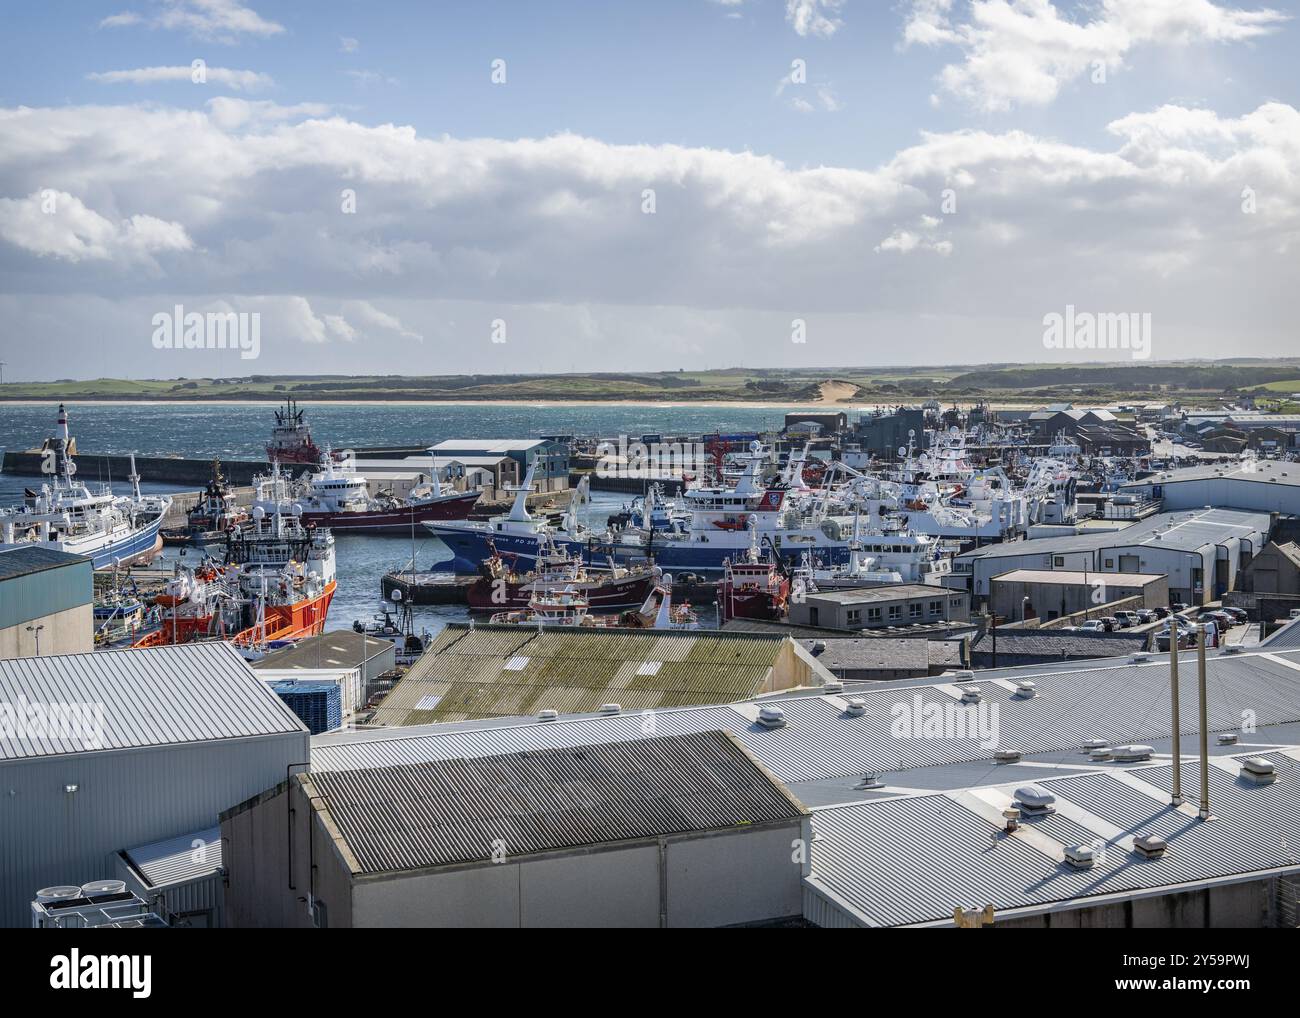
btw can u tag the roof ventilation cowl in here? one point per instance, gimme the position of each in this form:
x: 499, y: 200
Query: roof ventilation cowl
x: 1149, y: 846
x: 856, y: 707
x: 1099, y: 754
x: 1258, y: 770
x: 1026, y: 689
x: 970, y: 694
x: 1227, y: 738
x: 1090, y: 744
x: 1035, y: 800
x: 547, y: 715
x: 611, y: 708
x: 1081, y: 857
x: 1132, y: 753
x: 1232, y: 648
x: 771, y: 717
x: 833, y: 687
x: 1005, y: 756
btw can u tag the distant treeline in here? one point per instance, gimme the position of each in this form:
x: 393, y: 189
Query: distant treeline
x: 452, y: 383
x: 1126, y: 376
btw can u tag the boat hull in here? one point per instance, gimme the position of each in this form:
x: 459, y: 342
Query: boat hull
x: 396, y: 521
x: 606, y: 595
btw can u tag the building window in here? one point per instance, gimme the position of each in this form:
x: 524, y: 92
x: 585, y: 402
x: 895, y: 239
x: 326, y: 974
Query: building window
x: 1058, y: 561
x: 895, y: 612
x: 954, y: 603
x: 1108, y: 563
x: 914, y: 610
x: 936, y: 607
x: 854, y: 616
x: 873, y: 614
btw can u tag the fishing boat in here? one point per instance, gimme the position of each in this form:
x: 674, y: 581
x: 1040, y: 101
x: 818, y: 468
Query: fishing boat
x: 339, y: 498
x: 274, y: 583
x: 754, y: 587
x: 501, y: 587
x: 291, y: 440
x: 211, y: 516
x: 69, y: 515
x: 570, y: 608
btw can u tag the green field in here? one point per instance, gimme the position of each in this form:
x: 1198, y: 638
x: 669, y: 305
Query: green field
x: 1121, y: 381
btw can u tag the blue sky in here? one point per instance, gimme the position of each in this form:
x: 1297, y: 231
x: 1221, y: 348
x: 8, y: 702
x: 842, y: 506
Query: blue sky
x: 776, y: 199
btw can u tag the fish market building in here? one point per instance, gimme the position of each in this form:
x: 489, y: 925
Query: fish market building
x: 46, y: 602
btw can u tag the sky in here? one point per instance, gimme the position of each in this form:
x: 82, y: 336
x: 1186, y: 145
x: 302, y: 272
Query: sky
x: 430, y: 187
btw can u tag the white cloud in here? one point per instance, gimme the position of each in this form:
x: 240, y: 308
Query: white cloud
x: 58, y: 225
x: 249, y: 81
x: 223, y: 21
x: 814, y: 17
x: 1149, y: 221
x: 1021, y: 52
x: 347, y: 44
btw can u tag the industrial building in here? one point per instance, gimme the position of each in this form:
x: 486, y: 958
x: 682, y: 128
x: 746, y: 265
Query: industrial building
x: 1053, y: 593
x: 551, y: 457
x: 665, y: 831
x: 339, y: 651
x: 934, y: 846
x: 880, y: 607
x: 46, y: 602
x: 1274, y: 570
x: 1003, y: 647
x: 874, y: 659
x: 182, y: 877
x: 1201, y: 551
x: 103, y: 752
x: 477, y: 671
x: 1262, y: 486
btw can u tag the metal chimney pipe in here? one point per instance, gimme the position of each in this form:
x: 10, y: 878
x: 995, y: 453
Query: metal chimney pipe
x: 1205, y: 735
x: 1176, y: 730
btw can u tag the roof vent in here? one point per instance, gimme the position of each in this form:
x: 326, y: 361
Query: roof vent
x: 833, y: 687
x: 1012, y: 816
x: 1081, y: 857
x: 1100, y: 753
x: 1227, y: 738
x: 964, y: 673
x: 771, y: 717
x: 611, y: 708
x: 970, y: 694
x: 1133, y: 753
x: 547, y: 715
x: 1026, y: 690
x: 1090, y: 744
x: 1035, y: 800
x: 1141, y: 655
x: 1149, y: 846
x: 1004, y: 756
x: 1232, y: 648
x: 1258, y: 770
x: 856, y: 708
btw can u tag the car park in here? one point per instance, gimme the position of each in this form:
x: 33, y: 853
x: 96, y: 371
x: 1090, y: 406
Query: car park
x: 1146, y: 616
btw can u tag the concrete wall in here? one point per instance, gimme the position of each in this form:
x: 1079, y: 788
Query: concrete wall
x: 71, y: 631
x: 829, y: 612
x: 1070, y: 598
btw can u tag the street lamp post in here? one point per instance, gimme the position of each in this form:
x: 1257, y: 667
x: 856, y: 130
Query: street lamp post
x: 36, y: 634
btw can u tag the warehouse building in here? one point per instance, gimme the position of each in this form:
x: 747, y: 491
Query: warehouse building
x: 1048, y: 594
x: 671, y: 831
x: 893, y: 604
x: 1274, y: 570
x: 550, y: 456
x: 476, y: 671
x: 1201, y: 551
x: 106, y: 751
x: 1012, y: 648
x: 875, y: 659
x: 934, y: 845
x: 46, y: 602
x: 340, y: 651
x: 1263, y: 486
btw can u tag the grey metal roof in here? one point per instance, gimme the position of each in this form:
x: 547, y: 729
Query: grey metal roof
x: 1060, y: 643
x: 1286, y: 638
x: 1260, y: 471
x: 454, y: 811
x: 885, y: 592
x: 1187, y: 529
x: 1109, y: 699
x: 915, y: 859
x: 870, y: 653
x: 134, y: 698
x: 24, y: 559
x: 339, y: 648
x: 178, y: 860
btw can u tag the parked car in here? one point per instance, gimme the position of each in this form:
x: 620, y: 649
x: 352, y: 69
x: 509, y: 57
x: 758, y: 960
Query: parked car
x: 1127, y: 619
x: 1221, y: 619
x: 1239, y: 615
x: 1162, y: 612
x: 1179, y: 606
x: 1146, y: 616
x: 1093, y: 626
x: 1109, y: 623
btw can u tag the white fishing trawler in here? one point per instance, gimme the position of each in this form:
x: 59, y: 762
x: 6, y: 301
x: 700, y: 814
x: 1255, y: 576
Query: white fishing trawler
x: 69, y: 515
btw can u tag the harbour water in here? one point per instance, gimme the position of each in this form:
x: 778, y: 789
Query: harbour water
x: 239, y: 431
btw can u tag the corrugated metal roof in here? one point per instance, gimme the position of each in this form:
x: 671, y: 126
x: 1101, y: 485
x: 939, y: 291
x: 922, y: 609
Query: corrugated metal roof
x: 1115, y: 700
x: 454, y: 811
x: 24, y: 559
x: 915, y: 859
x: 1286, y: 638
x: 503, y: 671
x: 134, y: 698
x: 178, y: 860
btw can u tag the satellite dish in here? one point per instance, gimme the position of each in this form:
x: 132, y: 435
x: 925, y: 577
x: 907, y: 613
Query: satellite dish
x: 72, y: 467
x: 924, y: 460
x: 396, y: 596
x: 954, y: 431
x: 911, y: 432
x: 902, y: 450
